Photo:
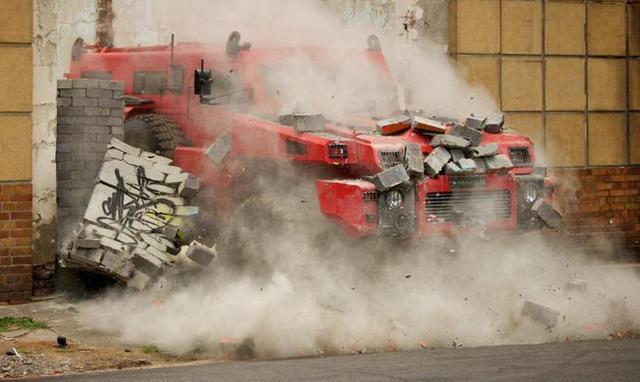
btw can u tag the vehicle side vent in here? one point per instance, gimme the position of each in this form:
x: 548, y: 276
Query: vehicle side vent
x: 369, y: 196
x: 390, y: 158
x: 296, y: 148
x: 520, y: 156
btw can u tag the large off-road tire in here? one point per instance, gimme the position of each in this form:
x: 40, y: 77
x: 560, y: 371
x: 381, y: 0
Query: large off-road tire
x: 155, y: 133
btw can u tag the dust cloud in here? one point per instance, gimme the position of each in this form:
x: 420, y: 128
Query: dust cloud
x: 304, y: 289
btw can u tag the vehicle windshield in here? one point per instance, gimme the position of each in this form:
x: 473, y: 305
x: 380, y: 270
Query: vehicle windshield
x: 349, y: 86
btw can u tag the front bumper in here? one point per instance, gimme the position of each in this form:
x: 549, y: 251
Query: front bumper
x: 445, y: 205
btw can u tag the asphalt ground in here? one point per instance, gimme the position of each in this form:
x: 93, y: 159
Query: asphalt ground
x: 616, y: 360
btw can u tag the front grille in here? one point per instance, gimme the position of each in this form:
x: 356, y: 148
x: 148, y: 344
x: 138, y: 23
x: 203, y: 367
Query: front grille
x: 485, y: 205
x: 369, y: 196
x: 520, y: 156
x: 390, y: 158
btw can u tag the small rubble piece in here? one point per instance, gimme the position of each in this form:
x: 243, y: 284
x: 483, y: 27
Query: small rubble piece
x: 498, y: 162
x: 304, y: 122
x: 413, y: 159
x: 390, y: 177
x: 450, y: 141
x: 436, y: 161
x: 546, y: 213
x: 576, y: 285
x: 394, y: 125
x: 131, y: 223
x: 220, y: 148
x: 468, y: 165
x: 540, y: 313
x: 495, y: 124
x: 428, y: 126
x: 453, y: 169
x: 62, y: 341
x: 472, y: 135
x: 476, y: 123
x: 481, y: 151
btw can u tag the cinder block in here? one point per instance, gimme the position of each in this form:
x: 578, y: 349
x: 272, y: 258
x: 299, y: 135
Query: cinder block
x: 467, y: 165
x: 99, y: 93
x: 303, y: 123
x: 453, y: 169
x: 117, y: 131
x: 450, y: 141
x: 112, y: 244
x: 81, y: 101
x: 170, y: 232
x: 84, y: 83
x: 109, y: 121
x: 476, y: 123
x: 112, y: 85
x: 498, y: 162
x: 394, y: 124
x: 546, y: 213
x: 495, y: 124
x: 65, y: 84
x: 189, y: 188
x: 428, y: 126
x: 472, y: 135
x: 64, y: 101
x: 75, y: 93
x: 118, y: 144
x: 413, y: 159
x: 146, y: 262
x: 540, y: 313
x: 481, y: 166
x: 220, y: 148
x: 436, y: 160
x: 176, y: 178
x: 390, y: 177
x: 201, y: 254
x: 88, y: 243
x: 110, y: 103
x: 456, y: 155
x: 481, y: 151
x: 111, y: 260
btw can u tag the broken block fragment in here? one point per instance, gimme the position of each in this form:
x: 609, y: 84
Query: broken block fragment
x: 304, y: 122
x: 393, y: 125
x: 456, y: 155
x: 428, y: 126
x: 546, y: 213
x: 189, y: 188
x: 467, y: 165
x: 476, y: 123
x: 494, y: 125
x: 540, y: 313
x: 481, y: 151
x: 473, y: 136
x: 220, y: 148
x: 436, y: 160
x: 200, y: 254
x: 390, y: 177
x: 453, y: 169
x: 450, y: 141
x: 576, y: 285
x: 498, y: 162
x: 413, y: 159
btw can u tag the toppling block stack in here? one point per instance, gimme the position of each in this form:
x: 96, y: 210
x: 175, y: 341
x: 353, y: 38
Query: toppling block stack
x: 133, y: 218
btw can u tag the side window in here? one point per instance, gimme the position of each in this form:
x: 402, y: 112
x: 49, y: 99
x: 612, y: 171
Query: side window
x: 149, y: 82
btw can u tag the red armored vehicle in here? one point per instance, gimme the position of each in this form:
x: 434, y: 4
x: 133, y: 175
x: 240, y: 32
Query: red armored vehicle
x: 235, y: 115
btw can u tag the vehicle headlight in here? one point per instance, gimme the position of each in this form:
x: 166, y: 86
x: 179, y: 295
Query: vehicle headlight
x: 530, y: 193
x: 394, y: 199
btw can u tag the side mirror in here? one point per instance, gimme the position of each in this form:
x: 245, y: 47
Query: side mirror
x: 202, y: 80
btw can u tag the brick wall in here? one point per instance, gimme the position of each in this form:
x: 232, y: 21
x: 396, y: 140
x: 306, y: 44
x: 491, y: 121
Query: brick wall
x: 601, y: 206
x: 90, y: 113
x: 15, y: 241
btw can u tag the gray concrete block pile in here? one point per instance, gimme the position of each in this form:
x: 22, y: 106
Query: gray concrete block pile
x: 133, y: 219
x: 459, y: 151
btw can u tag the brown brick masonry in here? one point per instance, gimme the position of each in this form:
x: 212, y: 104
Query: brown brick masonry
x: 15, y: 241
x: 600, y: 203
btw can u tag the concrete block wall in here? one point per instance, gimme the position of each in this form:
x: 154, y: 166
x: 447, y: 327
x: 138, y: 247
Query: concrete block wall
x: 90, y: 113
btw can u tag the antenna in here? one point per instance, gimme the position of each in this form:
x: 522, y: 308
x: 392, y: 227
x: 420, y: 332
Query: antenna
x: 172, y: 41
